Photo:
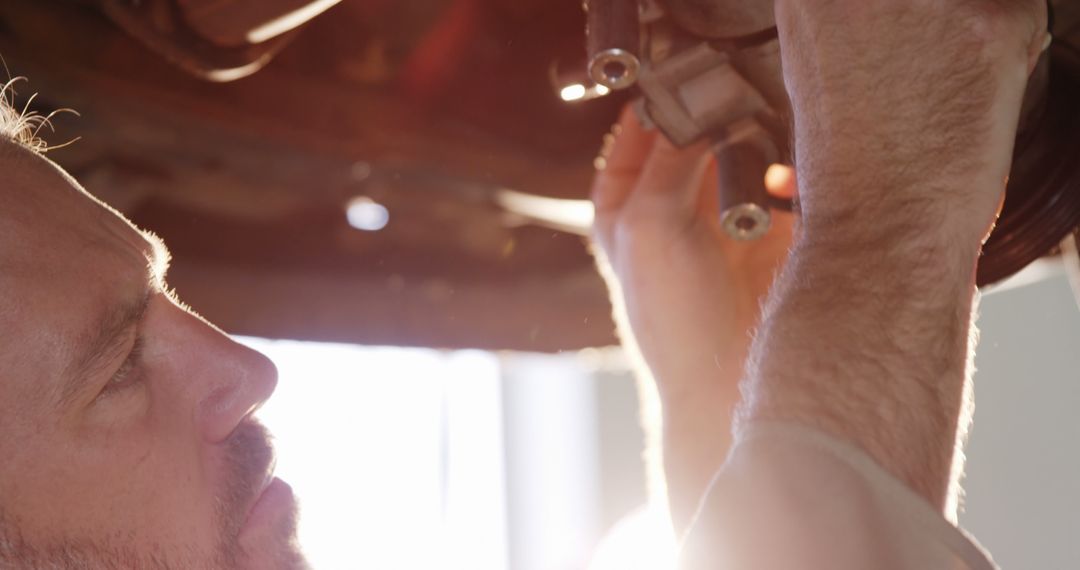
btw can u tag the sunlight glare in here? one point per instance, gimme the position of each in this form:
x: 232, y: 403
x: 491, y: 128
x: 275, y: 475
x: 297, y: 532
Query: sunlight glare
x: 374, y: 444
x: 572, y: 92
x: 643, y: 540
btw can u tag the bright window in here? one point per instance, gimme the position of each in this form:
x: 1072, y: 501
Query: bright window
x: 395, y: 454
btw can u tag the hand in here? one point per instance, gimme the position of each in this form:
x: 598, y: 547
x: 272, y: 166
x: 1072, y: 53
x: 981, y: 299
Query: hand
x: 918, y: 97
x: 686, y: 292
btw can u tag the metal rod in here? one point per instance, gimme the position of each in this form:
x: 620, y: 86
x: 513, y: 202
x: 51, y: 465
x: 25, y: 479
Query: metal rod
x: 613, y: 40
x: 744, y: 201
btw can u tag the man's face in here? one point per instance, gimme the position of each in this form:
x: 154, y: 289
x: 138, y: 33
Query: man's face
x: 125, y: 432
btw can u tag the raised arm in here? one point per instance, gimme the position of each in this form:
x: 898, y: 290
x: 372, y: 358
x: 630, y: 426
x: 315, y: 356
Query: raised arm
x: 846, y: 451
x: 905, y: 117
x: 686, y: 296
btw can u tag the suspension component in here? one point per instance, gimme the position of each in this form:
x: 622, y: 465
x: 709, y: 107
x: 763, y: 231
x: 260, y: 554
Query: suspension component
x: 741, y: 165
x: 613, y: 42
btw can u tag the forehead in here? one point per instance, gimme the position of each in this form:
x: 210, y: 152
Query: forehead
x: 63, y: 256
x: 47, y: 221
x: 34, y: 190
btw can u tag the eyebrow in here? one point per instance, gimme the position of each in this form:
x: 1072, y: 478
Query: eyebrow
x: 110, y: 330
x: 158, y: 260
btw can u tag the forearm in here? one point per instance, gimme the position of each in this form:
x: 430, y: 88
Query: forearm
x: 688, y: 384
x: 868, y: 337
x: 696, y: 440
x: 905, y: 116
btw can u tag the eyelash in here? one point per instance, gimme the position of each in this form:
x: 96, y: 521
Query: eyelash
x: 122, y: 378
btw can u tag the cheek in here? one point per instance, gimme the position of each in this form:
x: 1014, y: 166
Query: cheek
x: 144, y: 485
x: 153, y: 483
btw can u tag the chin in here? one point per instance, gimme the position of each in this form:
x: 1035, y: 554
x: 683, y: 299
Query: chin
x: 275, y: 557
x: 273, y: 547
x: 283, y: 559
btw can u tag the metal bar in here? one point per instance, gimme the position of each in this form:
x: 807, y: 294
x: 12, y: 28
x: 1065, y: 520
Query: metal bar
x: 744, y: 201
x: 614, y: 42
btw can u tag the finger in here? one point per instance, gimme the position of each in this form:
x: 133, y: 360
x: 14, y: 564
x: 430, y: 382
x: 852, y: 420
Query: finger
x: 780, y: 182
x: 626, y: 149
x: 671, y: 182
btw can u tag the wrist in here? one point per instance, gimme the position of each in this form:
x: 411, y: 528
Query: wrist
x: 890, y: 265
x: 924, y: 189
x: 935, y: 226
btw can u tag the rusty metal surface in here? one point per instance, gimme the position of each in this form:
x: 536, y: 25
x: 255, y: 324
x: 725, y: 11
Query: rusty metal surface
x: 233, y: 23
x: 160, y: 26
x: 428, y: 108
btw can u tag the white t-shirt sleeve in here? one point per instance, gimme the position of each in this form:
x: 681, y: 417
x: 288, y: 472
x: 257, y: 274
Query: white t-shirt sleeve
x: 792, y: 498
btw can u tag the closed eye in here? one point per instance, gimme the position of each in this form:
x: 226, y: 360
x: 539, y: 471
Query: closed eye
x: 127, y: 374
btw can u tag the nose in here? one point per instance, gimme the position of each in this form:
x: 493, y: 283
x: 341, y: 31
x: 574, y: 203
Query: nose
x: 224, y: 380
x: 212, y: 379
x: 244, y: 379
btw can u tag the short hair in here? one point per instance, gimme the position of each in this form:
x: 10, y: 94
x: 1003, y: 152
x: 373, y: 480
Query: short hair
x: 21, y: 126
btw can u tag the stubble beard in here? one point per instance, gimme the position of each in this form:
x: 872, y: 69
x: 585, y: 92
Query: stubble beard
x: 248, y: 455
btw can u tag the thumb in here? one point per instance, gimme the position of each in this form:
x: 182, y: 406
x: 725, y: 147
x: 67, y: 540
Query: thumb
x: 619, y: 166
x: 780, y: 182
